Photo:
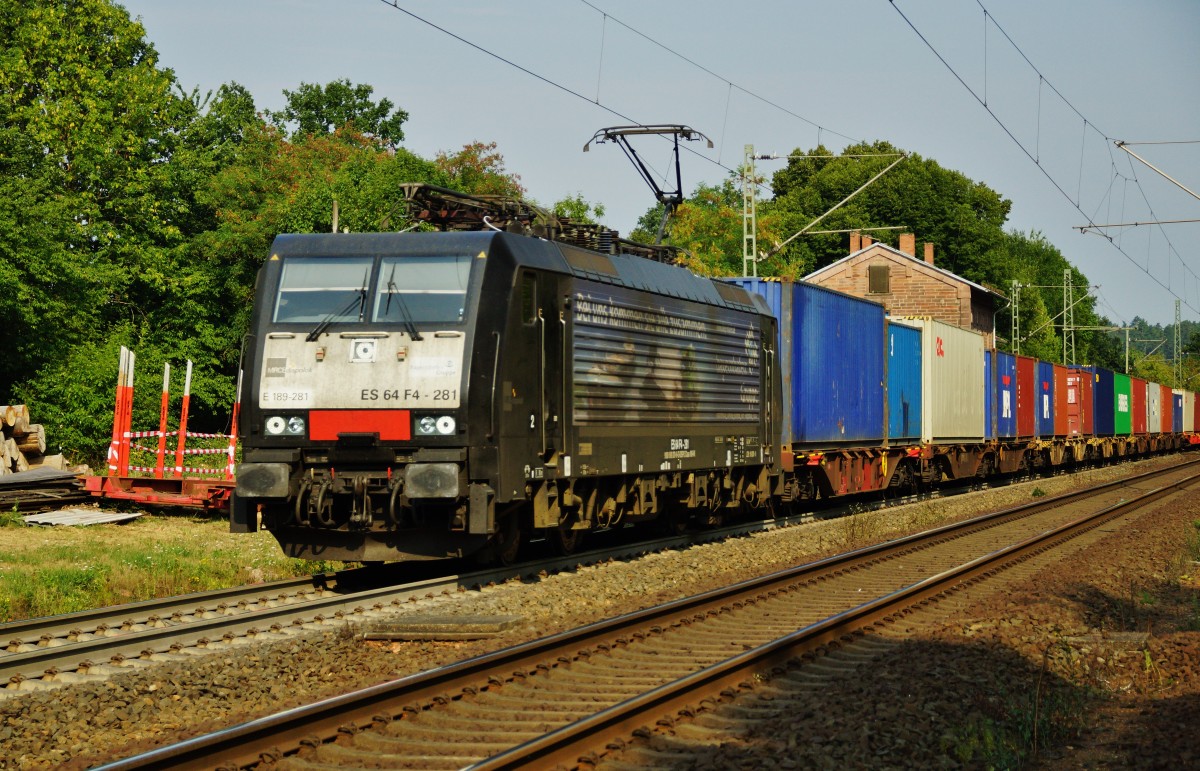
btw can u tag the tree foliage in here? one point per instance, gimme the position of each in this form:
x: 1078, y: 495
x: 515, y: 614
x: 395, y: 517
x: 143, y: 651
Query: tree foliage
x: 133, y: 212
x: 578, y: 209
x: 315, y: 110
x: 478, y: 168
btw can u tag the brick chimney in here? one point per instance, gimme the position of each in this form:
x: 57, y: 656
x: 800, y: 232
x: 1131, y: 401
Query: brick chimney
x: 928, y: 252
x: 866, y: 241
x: 908, y: 244
x: 855, y: 241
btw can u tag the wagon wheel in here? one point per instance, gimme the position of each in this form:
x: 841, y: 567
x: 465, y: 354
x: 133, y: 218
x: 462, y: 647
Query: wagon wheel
x: 674, y: 521
x: 564, y: 539
x: 506, y: 543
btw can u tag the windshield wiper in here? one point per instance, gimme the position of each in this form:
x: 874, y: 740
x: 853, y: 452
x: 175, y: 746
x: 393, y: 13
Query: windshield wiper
x: 409, y: 326
x: 360, y: 299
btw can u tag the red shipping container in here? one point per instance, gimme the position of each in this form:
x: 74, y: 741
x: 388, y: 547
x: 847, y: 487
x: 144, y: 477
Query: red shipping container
x: 1078, y: 403
x: 1062, y: 426
x: 1196, y: 423
x: 1137, y: 406
x: 1168, y: 412
x: 1027, y: 396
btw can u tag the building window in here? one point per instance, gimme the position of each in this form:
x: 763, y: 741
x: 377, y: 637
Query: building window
x: 878, y: 279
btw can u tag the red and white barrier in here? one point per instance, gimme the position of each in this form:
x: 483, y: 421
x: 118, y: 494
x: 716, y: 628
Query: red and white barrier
x: 123, y: 436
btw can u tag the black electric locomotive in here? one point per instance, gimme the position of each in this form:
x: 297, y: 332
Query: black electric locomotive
x: 438, y: 394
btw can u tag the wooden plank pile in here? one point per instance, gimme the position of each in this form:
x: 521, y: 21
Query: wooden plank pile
x: 22, y: 443
x: 31, y: 480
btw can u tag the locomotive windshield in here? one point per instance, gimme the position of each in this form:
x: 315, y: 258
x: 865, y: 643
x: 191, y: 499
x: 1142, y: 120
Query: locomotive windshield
x: 407, y: 290
x: 422, y: 289
x: 316, y: 290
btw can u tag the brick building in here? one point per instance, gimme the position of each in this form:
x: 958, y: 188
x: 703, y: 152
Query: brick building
x: 909, y: 286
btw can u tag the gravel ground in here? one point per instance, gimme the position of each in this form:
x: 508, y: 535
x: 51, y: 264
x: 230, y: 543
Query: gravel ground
x: 1117, y: 704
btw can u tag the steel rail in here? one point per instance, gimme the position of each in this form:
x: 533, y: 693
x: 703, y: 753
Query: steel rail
x: 568, y: 744
x: 164, y: 635
x: 34, y: 629
x: 241, y: 745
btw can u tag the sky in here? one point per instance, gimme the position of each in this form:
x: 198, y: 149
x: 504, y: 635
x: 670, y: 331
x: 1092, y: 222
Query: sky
x: 1025, y: 96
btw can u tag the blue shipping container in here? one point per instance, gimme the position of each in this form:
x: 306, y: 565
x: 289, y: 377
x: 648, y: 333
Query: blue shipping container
x: 904, y: 384
x: 1103, y: 402
x: 832, y: 345
x: 1177, y: 413
x: 1045, y: 399
x: 1006, y: 395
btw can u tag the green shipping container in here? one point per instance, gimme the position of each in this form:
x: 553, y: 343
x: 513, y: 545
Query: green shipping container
x: 1122, y: 404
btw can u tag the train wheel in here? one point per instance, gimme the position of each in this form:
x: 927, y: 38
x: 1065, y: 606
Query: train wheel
x: 506, y: 543
x: 564, y: 540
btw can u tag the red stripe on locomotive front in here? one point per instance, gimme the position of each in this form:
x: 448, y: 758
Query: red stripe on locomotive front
x: 391, y: 425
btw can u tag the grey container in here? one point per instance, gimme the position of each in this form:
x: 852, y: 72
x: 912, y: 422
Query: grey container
x: 953, y: 406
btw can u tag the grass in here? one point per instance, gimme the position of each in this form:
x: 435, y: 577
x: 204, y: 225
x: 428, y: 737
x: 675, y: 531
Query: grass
x: 46, y: 571
x: 1023, y: 716
x: 1188, y: 572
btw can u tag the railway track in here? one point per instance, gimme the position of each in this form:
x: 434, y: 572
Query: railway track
x: 94, y: 644
x: 579, y: 693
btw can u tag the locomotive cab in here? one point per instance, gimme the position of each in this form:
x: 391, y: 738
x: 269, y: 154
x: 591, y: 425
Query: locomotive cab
x: 356, y: 431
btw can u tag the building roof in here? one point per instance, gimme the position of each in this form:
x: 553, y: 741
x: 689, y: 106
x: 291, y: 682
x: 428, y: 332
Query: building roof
x: 905, y: 255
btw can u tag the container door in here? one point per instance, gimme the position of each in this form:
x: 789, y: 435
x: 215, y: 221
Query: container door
x: 1087, y: 402
x: 1006, y: 395
x: 1045, y: 399
x: 1026, y: 397
x: 1154, y: 408
x: 1139, y: 407
x: 1074, y: 403
x: 1062, y: 405
x: 1123, y: 407
x: 904, y: 384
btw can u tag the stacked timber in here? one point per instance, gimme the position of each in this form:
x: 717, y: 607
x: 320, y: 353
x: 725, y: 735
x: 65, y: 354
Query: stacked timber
x: 31, y: 480
x: 23, y: 443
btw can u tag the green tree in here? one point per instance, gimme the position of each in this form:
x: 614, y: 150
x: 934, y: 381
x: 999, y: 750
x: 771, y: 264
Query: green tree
x: 964, y: 218
x: 578, y: 209
x: 87, y: 123
x: 315, y: 110
x: 478, y: 169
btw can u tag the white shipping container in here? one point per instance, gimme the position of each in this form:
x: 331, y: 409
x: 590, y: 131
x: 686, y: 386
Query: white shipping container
x: 1154, y: 408
x: 1189, y: 410
x: 952, y: 382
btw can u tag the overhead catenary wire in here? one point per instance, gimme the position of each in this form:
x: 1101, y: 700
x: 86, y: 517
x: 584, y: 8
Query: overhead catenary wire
x: 721, y: 78
x: 395, y: 5
x: 1036, y: 159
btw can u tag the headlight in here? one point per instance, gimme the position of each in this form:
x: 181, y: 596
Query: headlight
x: 428, y: 425
x: 292, y: 425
